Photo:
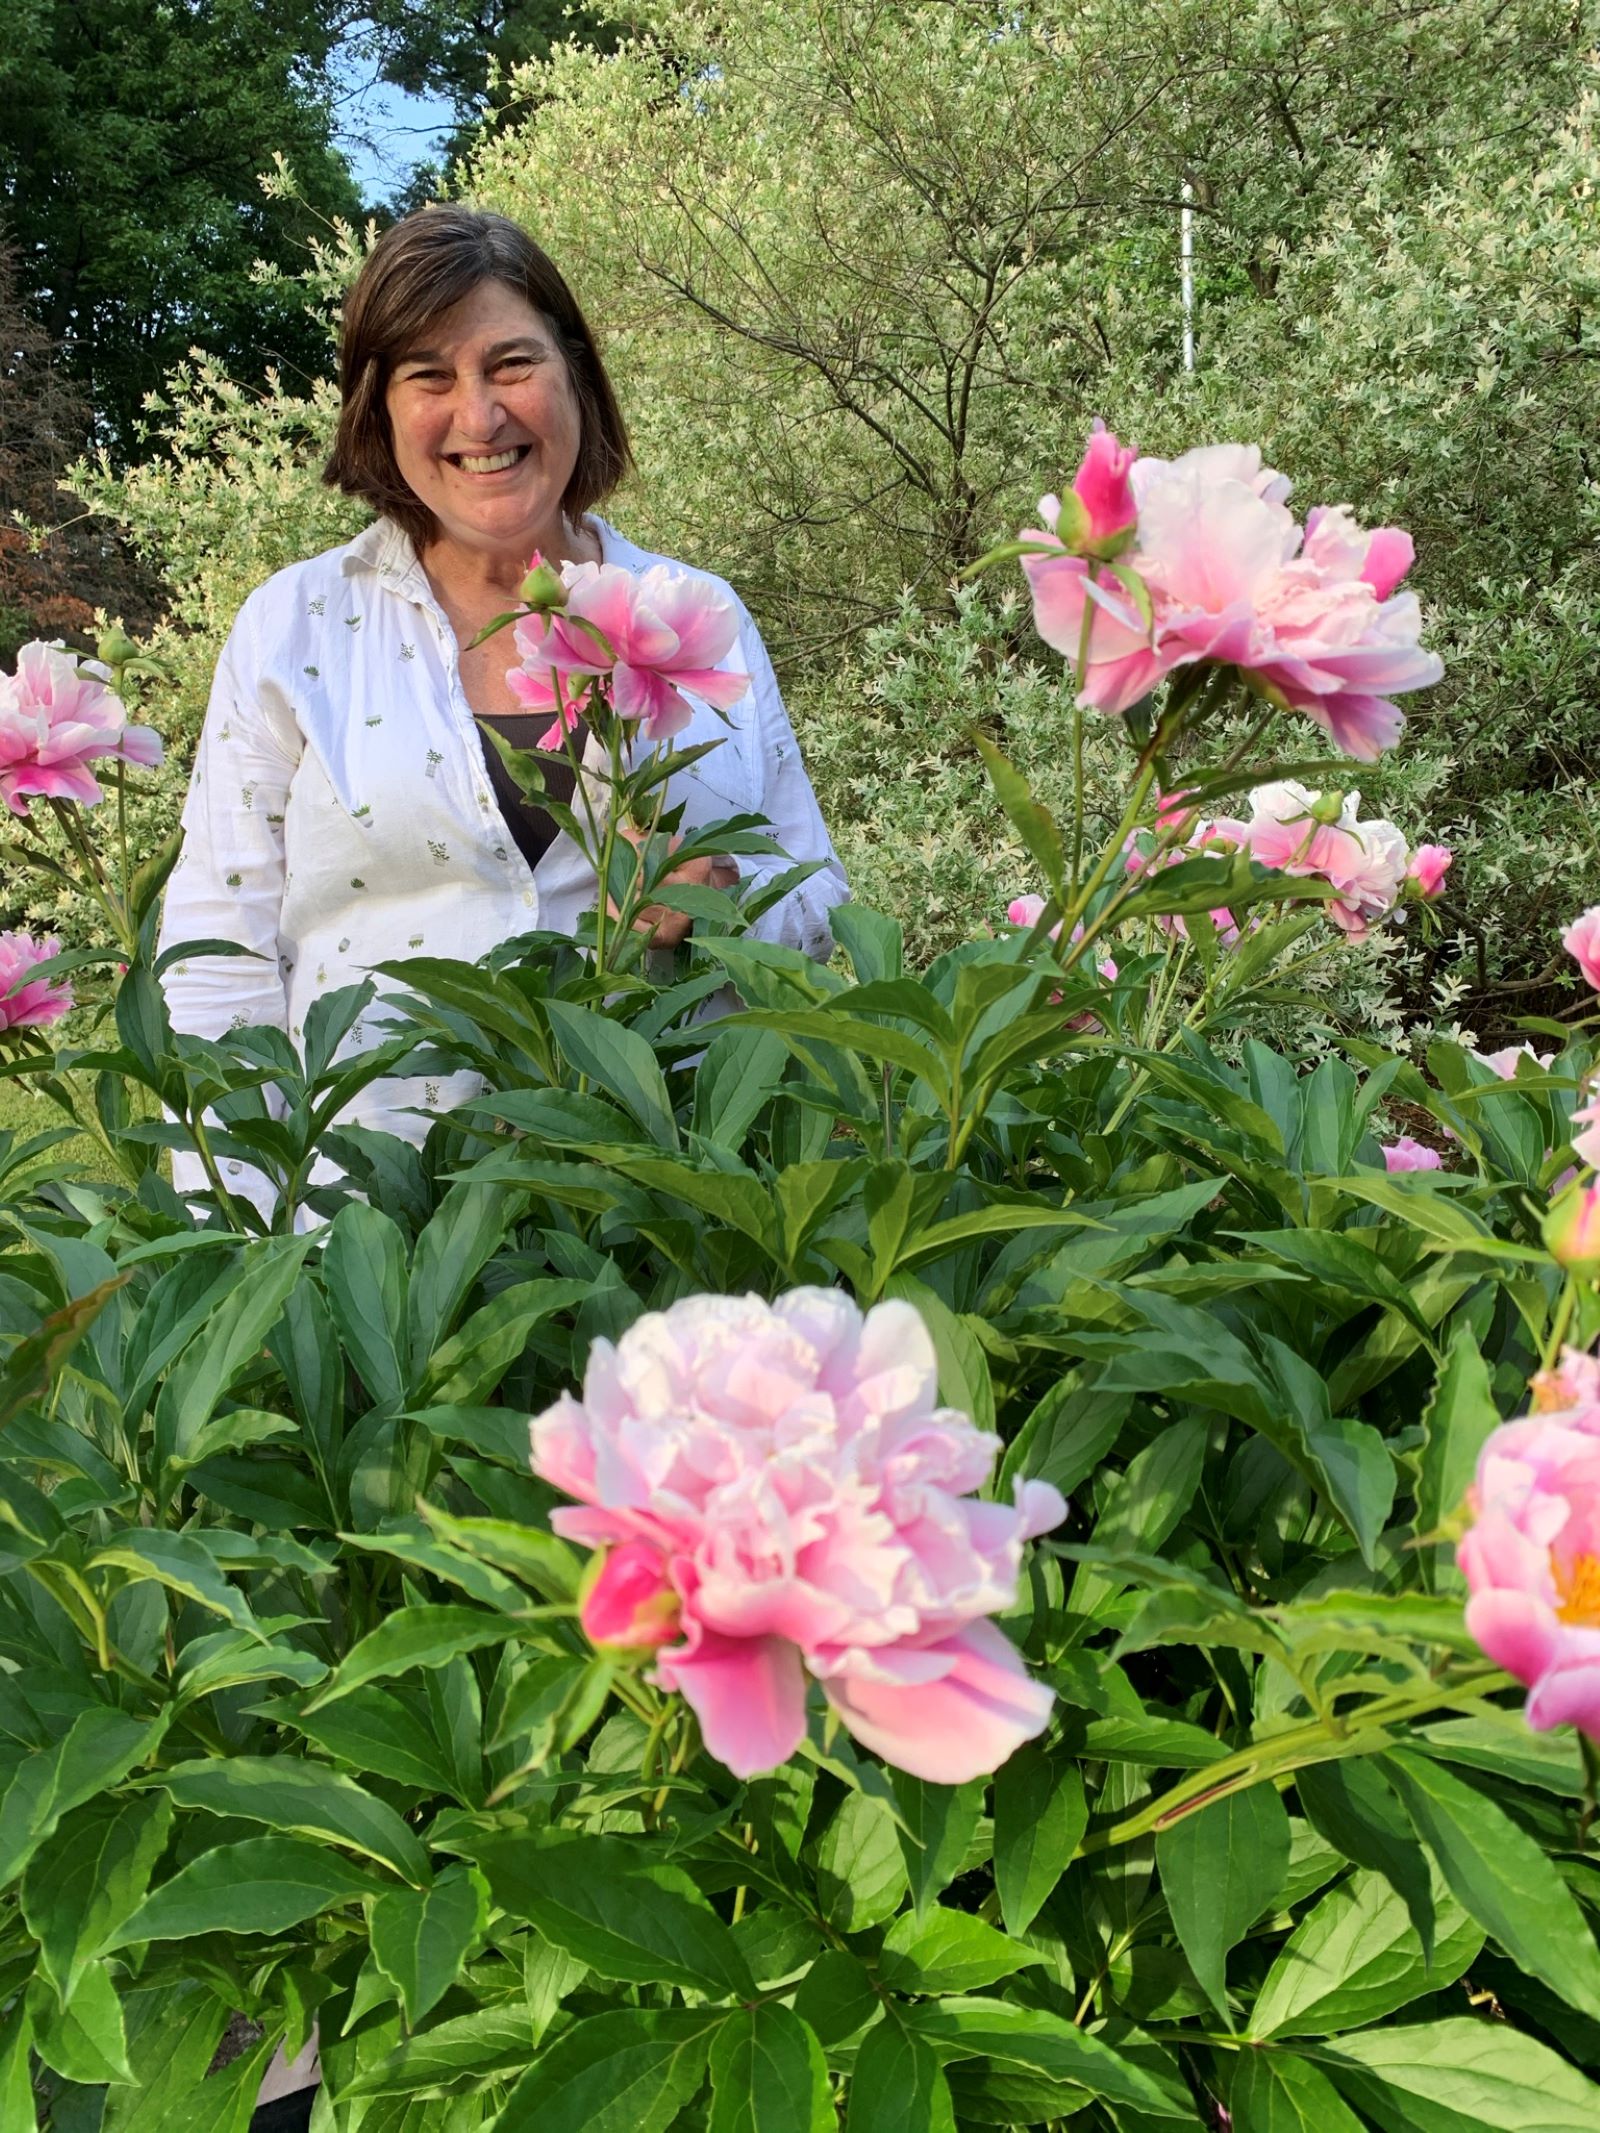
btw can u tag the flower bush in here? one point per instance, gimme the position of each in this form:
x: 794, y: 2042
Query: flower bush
x: 1020, y: 1604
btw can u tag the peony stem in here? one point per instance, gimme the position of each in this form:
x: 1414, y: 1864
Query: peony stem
x: 1560, y: 1323
x: 1286, y: 1752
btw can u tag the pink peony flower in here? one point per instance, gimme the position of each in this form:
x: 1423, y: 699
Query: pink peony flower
x: 1101, y: 486
x: 1407, y: 1154
x: 30, y: 1004
x: 1532, y: 1557
x: 650, y: 638
x: 1364, y: 861
x: 631, y: 1606
x: 1312, y: 617
x: 1025, y: 911
x: 807, y: 1503
x: 1586, y: 1143
x: 57, y: 716
x: 1504, y: 1062
x: 1582, y: 941
x: 1429, y: 865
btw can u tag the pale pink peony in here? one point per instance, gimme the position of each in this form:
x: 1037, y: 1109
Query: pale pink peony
x: 33, y: 1003
x: 1532, y: 1557
x: 1582, y: 941
x: 1586, y: 1142
x: 651, y: 638
x: 1429, y: 865
x: 1365, y: 862
x: 57, y: 716
x: 808, y: 1505
x: 1407, y: 1154
x: 1311, y: 617
x: 1504, y: 1062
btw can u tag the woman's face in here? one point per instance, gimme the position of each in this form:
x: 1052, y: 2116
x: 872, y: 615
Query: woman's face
x: 486, y: 425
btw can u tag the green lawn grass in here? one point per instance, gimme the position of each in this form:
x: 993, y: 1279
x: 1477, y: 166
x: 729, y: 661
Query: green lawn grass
x: 25, y: 1113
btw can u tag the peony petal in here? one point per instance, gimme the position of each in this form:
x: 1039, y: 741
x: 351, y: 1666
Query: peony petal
x: 749, y: 1694
x: 955, y: 1729
x: 1568, y: 1695
x: 1518, y: 1631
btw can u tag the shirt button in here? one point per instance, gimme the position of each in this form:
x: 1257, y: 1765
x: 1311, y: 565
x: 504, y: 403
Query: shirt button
x: 527, y: 897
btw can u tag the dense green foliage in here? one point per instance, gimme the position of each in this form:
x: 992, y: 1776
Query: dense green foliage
x: 871, y: 271
x: 297, y: 1722
x: 130, y: 164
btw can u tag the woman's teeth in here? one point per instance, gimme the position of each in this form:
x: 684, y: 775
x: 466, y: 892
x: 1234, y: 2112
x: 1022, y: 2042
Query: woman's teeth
x: 490, y: 463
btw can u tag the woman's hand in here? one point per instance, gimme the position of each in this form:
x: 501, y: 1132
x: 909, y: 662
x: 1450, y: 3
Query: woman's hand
x: 668, y: 928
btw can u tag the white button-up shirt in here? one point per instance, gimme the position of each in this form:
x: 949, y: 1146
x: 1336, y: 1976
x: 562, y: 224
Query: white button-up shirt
x: 340, y: 814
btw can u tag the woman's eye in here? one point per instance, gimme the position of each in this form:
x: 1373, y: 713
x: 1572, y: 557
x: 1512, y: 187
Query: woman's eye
x: 514, y: 367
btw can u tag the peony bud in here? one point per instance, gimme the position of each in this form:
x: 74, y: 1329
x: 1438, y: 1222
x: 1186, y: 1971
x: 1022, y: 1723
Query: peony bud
x: 628, y: 1603
x: 542, y: 589
x: 115, y: 647
x: 1102, y: 487
x: 1572, y: 1230
x: 1429, y: 865
x: 1327, y: 808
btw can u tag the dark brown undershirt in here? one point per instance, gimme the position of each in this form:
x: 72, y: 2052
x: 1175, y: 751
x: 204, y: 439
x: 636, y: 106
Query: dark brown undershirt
x: 530, y: 825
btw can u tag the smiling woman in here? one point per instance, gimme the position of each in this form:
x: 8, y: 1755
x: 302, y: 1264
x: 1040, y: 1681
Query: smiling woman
x: 348, y: 807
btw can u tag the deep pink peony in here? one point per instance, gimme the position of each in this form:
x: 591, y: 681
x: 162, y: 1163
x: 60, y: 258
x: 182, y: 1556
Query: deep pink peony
x: 31, y: 1004
x: 630, y: 1606
x: 1312, y: 617
x: 807, y: 1505
x: 1407, y: 1154
x: 56, y: 718
x: 1429, y: 865
x: 1532, y: 1556
x: 1582, y: 941
x: 1101, y: 485
x: 651, y: 637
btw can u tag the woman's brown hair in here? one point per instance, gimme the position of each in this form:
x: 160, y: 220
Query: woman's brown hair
x: 417, y: 271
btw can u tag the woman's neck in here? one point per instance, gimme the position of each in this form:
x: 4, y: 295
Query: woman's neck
x: 468, y: 576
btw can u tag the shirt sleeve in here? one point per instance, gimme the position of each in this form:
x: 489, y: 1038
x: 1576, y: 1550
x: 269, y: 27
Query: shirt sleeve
x: 784, y: 796
x: 229, y: 880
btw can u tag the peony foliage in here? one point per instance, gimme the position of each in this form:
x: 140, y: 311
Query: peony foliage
x: 907, y: 1544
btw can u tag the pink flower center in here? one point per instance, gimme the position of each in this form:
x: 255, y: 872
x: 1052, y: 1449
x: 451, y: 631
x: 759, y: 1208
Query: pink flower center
x: 1578, y: 1583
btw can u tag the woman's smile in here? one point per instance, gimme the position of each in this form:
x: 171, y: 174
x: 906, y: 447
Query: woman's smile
x: 486, y: 426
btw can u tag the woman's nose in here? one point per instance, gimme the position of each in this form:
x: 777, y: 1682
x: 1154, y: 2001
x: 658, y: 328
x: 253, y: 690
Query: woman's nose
x: 479, y: 410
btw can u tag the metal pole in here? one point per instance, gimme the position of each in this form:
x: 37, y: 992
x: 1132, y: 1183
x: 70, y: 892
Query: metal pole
x: 1186, y: 257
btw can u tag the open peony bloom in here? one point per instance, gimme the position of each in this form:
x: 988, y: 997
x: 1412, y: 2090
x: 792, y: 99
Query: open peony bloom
x: 1532, y: 1555
x: 1365, y: 862
x: 33, y: 1004
x: 1407, y: 1154
x: 778, y: 1482
x: 1310, y: 616
x: 1582, y: 941
x: 57, y: 716
x: 650, y: 638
